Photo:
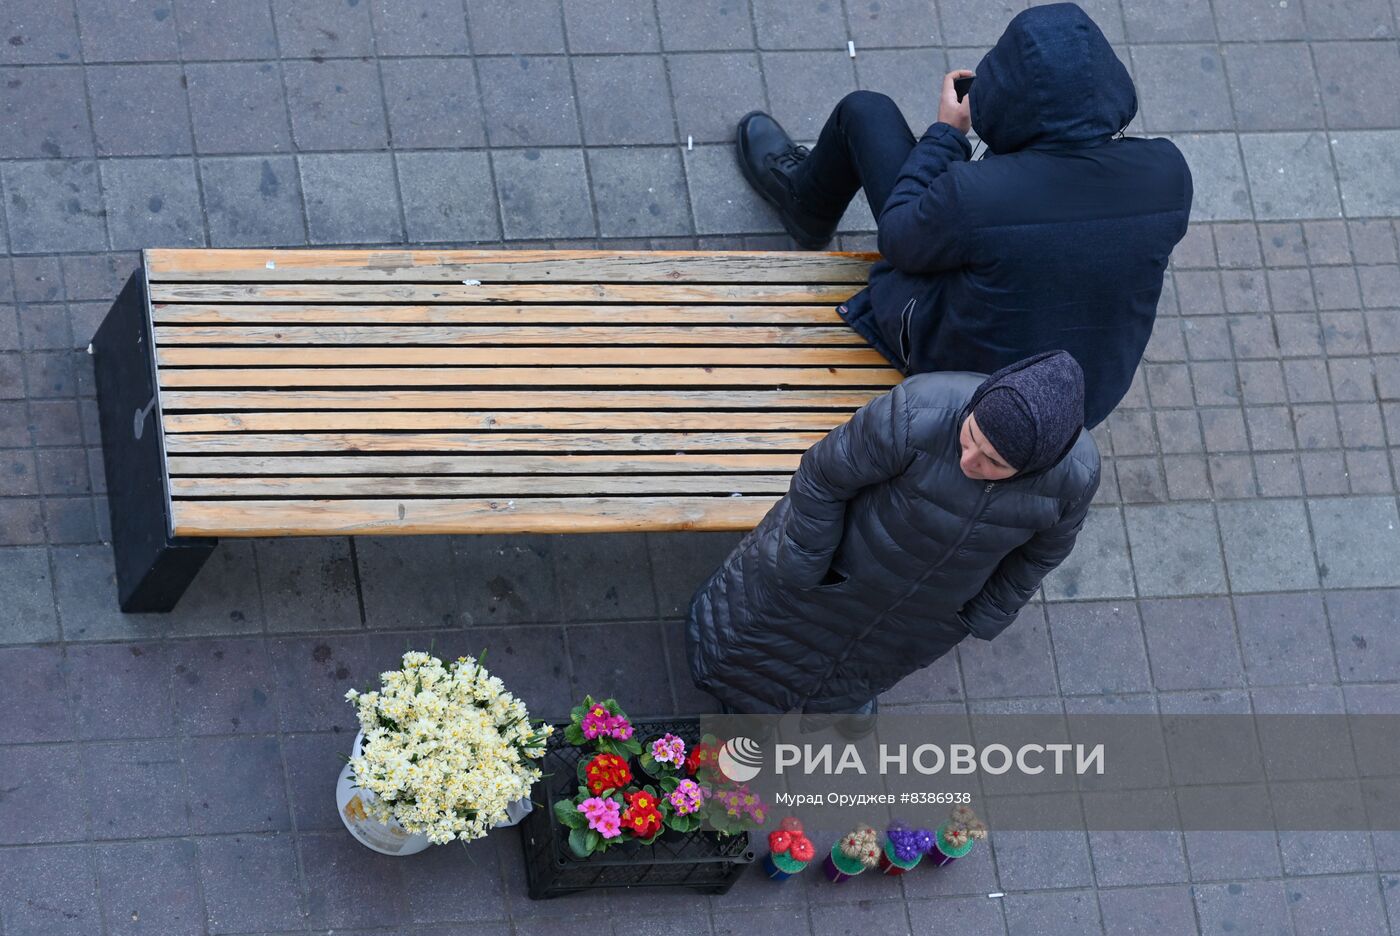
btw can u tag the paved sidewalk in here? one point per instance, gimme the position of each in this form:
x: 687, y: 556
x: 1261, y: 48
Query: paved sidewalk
x: 173, y: 775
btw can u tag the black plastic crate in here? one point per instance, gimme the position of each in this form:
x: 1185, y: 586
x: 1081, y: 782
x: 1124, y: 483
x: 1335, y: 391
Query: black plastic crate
x: 704, y: 861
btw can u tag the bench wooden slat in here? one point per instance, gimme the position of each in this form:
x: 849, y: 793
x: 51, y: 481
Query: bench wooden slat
x: 486, y: 400
x: 486, y: 336
x: 531, y: 377
x: 498, y: 420
x: 641, y: 463
x: 501, y: 292
x: 512, y: 316
x: 504, y: 266
x: 569, y: 356
x: 488, y: 442
x: 493, y: 485
x: 422, y: 516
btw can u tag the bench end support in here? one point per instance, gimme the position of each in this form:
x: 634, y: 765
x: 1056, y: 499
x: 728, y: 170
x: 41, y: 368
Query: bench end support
x: 153, y: 568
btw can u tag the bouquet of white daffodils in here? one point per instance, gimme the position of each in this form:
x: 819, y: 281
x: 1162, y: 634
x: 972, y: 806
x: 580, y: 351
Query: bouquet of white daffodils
x: 446, y: 749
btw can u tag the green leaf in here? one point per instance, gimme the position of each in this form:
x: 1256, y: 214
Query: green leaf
x: 574, y: 735
x: 594, y: 840
x: 578, y: 842
x: 566, y: 812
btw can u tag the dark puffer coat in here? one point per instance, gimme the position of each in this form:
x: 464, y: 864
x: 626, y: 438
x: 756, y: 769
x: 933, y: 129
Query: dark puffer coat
x: 881, y: 557
x: 1058, y: 239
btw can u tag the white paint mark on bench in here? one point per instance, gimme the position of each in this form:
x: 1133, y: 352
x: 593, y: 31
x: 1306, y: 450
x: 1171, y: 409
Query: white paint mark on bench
x: 272, y: 264
x: 471, y: 282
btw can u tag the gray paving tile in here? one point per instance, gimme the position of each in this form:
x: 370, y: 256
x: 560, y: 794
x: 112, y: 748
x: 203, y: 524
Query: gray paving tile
x: 1357, y: 541
x: 1380, y: 285
x: 1246, y: 20
x: 448, y: 197
x: 139, y: 110
x: 623, y: 99
x: 1267, y: 546
x: 433, y: 103
x: 506, y: 579
x: 236, y: 785
x: 1174, y: 21
x: 534, y: 662
x: 43, y: 793
x: 712, y: 91
x: 253, y: 201
x: 121, y: 690
x: 639, y: 191
x: 214, y: 30
x: 611, y: 26
x: 1191, y: 643
x: 1284, y: 640
x: 36, y: 676
x: 1362, y: 623
x: 1017, y: 663
x: 347, y: 884
x: 974, y: 23
x: 135, y: 789
x: 52, y: 206
x: 596, y: 666
x: 223, y: 687
x: 64, y: 875
x: 1099, y: 647
x: 1138, y: 858
x: 313, y: 762
x: 151, y: 886
x: 407, y: 581
x: 722, y: 201
x: 1341, y: 852
x: 1098, y: 567
x: 1221, y: 192
x: 818, y: 26
x: 323, y: 28
x: 735, y: 922
x: 1216, y: 856
x: 1349, y: 19
x: 420, y: 27
x: 27, y: 614
x: 1322, y: 905
x: 152, y: 203
x: 335, y: 104
x: 517, y: 28
x: 544, y: 193
x: 528, y: 101
x: 250, y: 882
x: 127, y: 30
x: 462, y: 883
x: 1290, y: 175
x: 1273, y: 86
x: 1051, y: 913
x: 1148, y: 911
x: 313, y: 674
x: 238, y: 107
x: 1182, y: 87
x: 960, y: 914
x: 1352, y: 75
x: 39, y: 39
x: 307, y: 584
x: 1257, y: 907
x: 1175, y: 550
x: 708, y: 25
x: 350, y: 198
x: 45, y: 111
x: 803, y: 87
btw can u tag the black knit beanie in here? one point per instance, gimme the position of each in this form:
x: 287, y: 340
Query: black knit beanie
x: 1031, y: 412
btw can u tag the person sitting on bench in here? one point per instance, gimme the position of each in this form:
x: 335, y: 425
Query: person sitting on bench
x: 1060, y: 240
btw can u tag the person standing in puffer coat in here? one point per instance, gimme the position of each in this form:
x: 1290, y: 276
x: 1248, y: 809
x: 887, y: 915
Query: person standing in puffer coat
x: 932, y: 514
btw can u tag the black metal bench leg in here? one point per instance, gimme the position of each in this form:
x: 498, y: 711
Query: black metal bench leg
x: 153, y: 568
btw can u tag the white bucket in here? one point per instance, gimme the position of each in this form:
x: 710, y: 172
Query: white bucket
x: 390, y: 838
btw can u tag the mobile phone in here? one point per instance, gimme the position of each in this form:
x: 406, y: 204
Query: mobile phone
x: 962, y: 85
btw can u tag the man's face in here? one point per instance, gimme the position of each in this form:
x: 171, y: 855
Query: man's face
x: 980, y: 461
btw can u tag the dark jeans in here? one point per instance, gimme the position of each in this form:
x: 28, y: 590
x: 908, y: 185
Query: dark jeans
x: 863, y: 145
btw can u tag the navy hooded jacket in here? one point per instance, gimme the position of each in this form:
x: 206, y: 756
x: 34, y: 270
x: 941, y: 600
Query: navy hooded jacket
x: 1059, y: 239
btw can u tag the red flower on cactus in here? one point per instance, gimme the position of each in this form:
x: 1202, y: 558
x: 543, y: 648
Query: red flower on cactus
x: 607, y: 772
x: 779, y: 841
x: 802, y: 849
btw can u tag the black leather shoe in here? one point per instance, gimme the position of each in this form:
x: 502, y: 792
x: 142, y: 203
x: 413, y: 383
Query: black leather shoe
x: 766, y: 156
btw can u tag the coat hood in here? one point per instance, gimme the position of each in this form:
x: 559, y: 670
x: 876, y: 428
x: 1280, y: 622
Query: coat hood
x: 1051, y: 80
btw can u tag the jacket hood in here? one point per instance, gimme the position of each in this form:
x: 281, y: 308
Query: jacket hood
x: 1051, y: 80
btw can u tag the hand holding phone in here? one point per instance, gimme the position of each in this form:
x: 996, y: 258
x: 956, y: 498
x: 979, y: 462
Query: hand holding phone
x: 953, y: 107
x: 962, y: 85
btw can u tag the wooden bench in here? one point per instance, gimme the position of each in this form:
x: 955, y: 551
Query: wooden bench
x: 334, y: 392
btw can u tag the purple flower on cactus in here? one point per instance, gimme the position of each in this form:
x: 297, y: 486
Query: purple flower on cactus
x: 908, y: 843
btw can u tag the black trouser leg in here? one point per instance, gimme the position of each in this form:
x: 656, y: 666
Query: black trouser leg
x: 863, y: 145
